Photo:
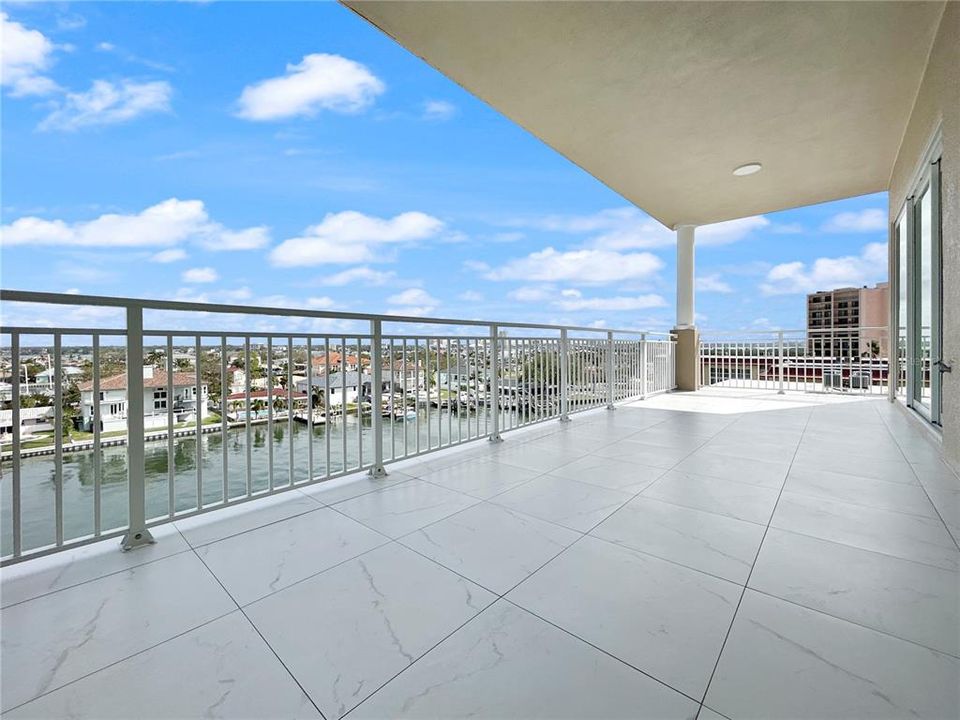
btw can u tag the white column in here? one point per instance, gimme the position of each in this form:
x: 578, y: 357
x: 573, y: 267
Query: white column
x: 685, y: 276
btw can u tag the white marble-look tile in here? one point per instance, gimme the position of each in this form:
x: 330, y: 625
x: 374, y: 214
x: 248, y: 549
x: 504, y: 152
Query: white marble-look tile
x: 643, y: 454
x: 906, y: 599
x: 220, y: 524
x: 43, y: 575
x: 57, y: 638
x: 481, y: 479
x: 862, y: 465
x: 493, y: 545
x: 728, y: 467
x: 712, y: 543
x: 708, y: 714
x: 910, y: 537
x: 667, y: 435
x: 752, y: 448
x: 347, y: 631
x: 880, y: 494
x: 576, y: 505
x: 740, y: 500
x: 270, y: 558
x: 220, y: 670
x: 331, y: 492
x: 610, y: 473
x: 403, y: 508
x: 508, y: 664
x: 662, y: 618
x: 783, y: 662
x: 533, y: 457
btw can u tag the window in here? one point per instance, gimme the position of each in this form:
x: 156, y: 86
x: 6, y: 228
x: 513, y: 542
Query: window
x: 160, y: 399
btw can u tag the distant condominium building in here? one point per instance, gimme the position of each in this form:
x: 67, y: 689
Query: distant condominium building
x: 849, y: 321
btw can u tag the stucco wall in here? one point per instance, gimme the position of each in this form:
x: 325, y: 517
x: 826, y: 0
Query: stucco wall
x: 939, y: 100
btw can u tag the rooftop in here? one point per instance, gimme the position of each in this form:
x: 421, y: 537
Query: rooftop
x: 761, y: 555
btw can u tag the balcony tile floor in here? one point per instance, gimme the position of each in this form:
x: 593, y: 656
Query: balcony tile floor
x: 711, y: 555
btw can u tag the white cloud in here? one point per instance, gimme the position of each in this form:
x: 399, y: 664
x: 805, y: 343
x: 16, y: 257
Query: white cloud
x: 470, y: 296
x: 352, y: 237
x: 828, y: 273
x: 438, y: 110
x: 248, y: 239
x: 629, y: 228
x: 531, y: 293
x: 362, y: 275
x: 712, y: 283
x: 413, y: 301
x: 319, y: 82
x: 168, y: 256
x: 106, y: 103
x: 868, y: 220
x: 321, y: 303
x: 413, y: 296
x: 576, y: 301
x: 24, y: 57
x: 590, y: 267
x: 167, y: 223
x: 200, y: 275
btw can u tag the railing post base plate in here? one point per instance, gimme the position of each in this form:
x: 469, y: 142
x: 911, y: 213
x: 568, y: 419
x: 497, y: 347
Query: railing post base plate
x: 495, y: 438
x: 137, y: 539
x: 377, y: 471
x: 564, y: 419
x: 611, y: 407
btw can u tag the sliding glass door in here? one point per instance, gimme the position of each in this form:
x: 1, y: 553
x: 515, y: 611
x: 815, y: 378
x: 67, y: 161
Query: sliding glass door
x: 920, y: 303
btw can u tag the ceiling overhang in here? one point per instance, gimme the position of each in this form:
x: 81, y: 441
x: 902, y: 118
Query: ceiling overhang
x: 662, y: 100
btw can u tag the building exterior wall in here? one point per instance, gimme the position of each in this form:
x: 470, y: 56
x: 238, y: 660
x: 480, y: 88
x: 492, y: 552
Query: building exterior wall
x: 938, y: 103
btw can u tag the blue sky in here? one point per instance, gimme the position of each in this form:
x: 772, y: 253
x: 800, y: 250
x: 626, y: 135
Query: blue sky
x: 291, y: 154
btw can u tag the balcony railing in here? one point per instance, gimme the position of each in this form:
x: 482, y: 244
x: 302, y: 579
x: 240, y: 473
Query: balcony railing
x: 849, y: 359
x: 424, y: 385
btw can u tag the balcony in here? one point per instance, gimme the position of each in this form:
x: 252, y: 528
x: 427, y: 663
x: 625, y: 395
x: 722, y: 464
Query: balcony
x: 733, y: 552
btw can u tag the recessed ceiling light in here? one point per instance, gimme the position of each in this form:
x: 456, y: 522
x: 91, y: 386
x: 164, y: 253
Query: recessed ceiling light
x: 748, y: 169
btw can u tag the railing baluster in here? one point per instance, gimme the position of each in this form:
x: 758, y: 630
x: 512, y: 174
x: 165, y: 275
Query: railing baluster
x: 494, y: 383
x: 58, y: 432
x: 310, y: 474
x: 171, y: 464
x: 290, y: 469
x: 270, y: 382
x: 246, y: 419
x: 137, y: 533
x: 326, y: 402
x: 224, y: 411
x: 343, y: 402
x: 564, y: 377
x: 17, y: 519
x: 199, y: 404
x: 97, y: 452
x: 376, y: 398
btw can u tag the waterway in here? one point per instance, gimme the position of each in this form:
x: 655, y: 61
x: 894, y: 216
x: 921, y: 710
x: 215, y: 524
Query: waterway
x: 350, y: 440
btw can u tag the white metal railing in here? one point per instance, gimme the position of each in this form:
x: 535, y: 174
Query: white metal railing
x: 328, y: 404
x: 844, y: 359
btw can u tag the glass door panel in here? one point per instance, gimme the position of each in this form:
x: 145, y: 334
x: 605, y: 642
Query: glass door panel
x: 924, y: 298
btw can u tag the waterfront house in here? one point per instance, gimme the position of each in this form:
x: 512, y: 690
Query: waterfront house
x: 32, y: 420
x: 113, y: 400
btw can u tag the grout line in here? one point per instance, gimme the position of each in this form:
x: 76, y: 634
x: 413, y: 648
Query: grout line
x: 756, y: 557
x: 858, y: 624
x: 120, y: 660
x: 257, y: 630
x: 100, y: 577
x: 956, y: 541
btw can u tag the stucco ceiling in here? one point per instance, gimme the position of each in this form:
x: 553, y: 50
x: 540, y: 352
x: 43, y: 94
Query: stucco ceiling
x: 661, y: 100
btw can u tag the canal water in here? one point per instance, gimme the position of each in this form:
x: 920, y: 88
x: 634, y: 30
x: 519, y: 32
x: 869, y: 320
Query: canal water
x: 38, y: 485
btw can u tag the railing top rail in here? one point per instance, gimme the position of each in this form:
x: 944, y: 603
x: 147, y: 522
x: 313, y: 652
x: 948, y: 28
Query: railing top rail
x: 28, y: 296
x: 775, y: 331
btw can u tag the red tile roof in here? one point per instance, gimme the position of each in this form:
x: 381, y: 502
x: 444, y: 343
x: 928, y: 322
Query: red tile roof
x: 159, y: 380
